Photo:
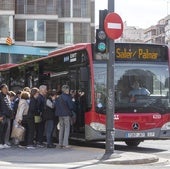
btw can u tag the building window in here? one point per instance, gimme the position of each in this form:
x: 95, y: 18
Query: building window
x: 65, y: 35
x: 92, y: 7
x: 51, y: 7
x: 40, y: 7
x: 82, y: 32
x: 36, y: 6
x: 35, y: 30
x: 84, y: 7
x: 20, y: 33
x: 52, y: 31
x: 4, y: 28
x: 30, y: 30
x: 20, y: 6
x: 61, y: 33
x: 30, y: 6
x: 85, y: 32
x: 64, y: 8
x: 80, y: 8
x: 40, y: 30
x: 7, y: 4
x: 76, y: 8
x: 68, y: 28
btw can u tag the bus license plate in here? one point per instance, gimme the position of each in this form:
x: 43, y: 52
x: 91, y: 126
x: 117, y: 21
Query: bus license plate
x: 135, y: 135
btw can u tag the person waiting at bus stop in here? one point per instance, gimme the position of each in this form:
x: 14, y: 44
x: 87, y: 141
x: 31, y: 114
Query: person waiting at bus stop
x: 40, y: 124
x: 5, y: 115
x: 63, y: 108
x: 49, y: 116
x: 137, y: 90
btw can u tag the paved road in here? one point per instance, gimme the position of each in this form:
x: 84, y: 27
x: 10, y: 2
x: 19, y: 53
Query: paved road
x: 161, y: 148
x: 81, y: 157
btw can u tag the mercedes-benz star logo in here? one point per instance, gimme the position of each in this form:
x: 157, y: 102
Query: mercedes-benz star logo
x: 135, y: 126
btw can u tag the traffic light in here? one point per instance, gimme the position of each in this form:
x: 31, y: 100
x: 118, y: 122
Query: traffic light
x: 101, y: 43
x: 101, y: 38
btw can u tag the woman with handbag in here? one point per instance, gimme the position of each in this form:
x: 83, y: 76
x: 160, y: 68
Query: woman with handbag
x: 22, y: 112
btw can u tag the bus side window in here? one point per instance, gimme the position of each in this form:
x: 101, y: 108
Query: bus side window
x: 84, y: 75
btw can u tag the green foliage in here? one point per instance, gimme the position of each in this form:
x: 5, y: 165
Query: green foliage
x: 29, y: 58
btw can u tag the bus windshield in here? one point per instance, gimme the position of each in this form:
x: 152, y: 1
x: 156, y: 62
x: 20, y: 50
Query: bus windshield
x: 139, y: 88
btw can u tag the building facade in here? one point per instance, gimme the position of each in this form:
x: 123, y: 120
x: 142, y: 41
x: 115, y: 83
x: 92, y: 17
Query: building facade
x: 131, y: 34
x: 46, y: 24
x: 167, y: 30
x: 156, y: 33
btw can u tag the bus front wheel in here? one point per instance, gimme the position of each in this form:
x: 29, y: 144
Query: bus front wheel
x: 132, y: 143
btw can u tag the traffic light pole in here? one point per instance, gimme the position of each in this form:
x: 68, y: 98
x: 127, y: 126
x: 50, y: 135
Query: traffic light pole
x: 110, y: 131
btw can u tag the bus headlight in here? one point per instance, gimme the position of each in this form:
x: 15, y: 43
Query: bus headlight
x: 98, y: 126
x: 166, y: 126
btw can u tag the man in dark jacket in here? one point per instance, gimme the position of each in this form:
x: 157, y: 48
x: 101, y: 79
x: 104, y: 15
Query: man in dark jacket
x: 5, y: 115
x: 49, y: 117
x: 33, y: 107
x: 41, y: 101
x: 63, y: 107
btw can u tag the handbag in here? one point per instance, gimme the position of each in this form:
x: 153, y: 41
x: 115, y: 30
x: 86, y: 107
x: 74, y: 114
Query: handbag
x: 37, y: 119
x: 18, y: 132
x: 58, y: 126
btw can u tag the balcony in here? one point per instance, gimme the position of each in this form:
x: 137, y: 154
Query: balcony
x: 167, y: 28
x: 39, y: 9
x: 7, y: 5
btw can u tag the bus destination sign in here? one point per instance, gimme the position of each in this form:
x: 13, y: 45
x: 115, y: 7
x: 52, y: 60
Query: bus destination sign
x: 140, y: 52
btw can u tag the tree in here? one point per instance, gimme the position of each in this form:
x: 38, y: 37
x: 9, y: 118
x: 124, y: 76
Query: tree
x: 29, y: 58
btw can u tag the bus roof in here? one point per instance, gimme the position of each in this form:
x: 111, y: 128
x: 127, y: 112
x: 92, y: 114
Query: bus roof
x: 7, y: 66
x: 72, y: 48
x: 79, y: 46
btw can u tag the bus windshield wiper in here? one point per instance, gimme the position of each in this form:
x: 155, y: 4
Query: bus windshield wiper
x: 156, y: 105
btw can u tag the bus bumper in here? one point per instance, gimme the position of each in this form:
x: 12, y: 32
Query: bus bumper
x: 122, y: 135
x: 91, y: 134
x: 151, y: 134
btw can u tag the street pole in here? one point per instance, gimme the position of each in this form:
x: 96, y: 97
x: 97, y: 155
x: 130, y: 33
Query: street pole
x: 110, y: 132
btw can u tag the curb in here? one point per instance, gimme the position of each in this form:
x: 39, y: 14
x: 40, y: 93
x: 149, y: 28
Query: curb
x: 131, y: 159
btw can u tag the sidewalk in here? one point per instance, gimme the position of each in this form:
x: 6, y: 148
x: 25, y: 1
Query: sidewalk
x: 73, y: 155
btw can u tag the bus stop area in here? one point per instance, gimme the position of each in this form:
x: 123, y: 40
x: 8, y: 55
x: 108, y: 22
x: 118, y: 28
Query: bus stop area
x: 74, y: 157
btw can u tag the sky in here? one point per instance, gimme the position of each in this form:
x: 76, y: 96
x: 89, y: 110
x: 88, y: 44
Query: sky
x: 139, y: 13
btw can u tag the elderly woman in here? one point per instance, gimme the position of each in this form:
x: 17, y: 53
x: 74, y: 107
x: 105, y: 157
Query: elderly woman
x: 22, y: 110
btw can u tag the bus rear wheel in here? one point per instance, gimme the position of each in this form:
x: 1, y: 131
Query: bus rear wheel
x: 132, y: 143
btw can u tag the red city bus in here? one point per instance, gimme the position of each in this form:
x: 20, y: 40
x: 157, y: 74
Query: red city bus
x: 142, y: 111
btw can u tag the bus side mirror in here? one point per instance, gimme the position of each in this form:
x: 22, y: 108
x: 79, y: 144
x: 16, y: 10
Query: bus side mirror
x: 84, y: 74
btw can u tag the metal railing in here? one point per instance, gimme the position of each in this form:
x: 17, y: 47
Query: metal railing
x: 7, y: 6
x: 32, y: 9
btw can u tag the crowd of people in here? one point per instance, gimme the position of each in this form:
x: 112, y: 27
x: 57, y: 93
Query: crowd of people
x: 36, y: 111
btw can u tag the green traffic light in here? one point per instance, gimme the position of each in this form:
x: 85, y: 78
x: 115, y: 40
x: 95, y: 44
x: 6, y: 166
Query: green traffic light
x: 101, y: 47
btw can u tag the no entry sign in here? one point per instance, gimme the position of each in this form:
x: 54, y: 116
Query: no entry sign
x: 113, y: 25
